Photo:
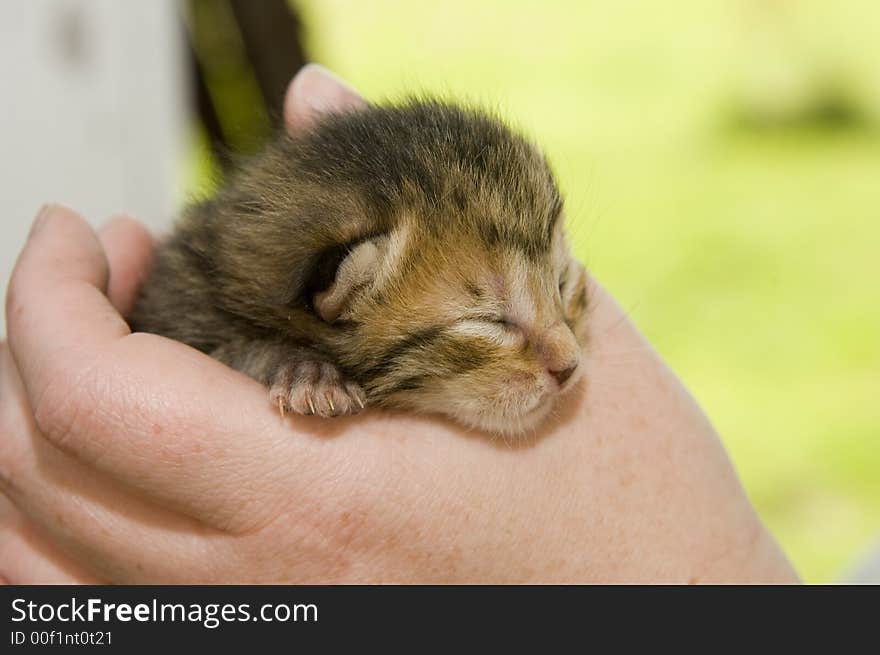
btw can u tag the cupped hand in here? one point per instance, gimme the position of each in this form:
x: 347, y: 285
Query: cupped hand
x: 131, y: 458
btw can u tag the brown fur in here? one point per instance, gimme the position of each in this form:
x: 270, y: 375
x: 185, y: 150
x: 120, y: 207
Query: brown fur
x: 409, y: 256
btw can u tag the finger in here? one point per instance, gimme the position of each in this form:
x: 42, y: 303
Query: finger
x: 27, y: 557
x: 166, y: 423
x: 184, y: 430
x: 59, y: 280
x: 114, y: 536
x: 128, y: 247
x: 189, y: 434
x: 91, y: 521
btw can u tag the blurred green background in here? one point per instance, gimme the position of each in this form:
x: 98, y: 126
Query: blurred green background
x: 721, y: 167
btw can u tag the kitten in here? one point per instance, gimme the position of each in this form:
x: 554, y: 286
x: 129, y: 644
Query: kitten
x: 409, y: 255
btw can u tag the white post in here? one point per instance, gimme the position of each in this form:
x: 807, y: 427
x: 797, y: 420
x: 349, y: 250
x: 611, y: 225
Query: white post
x: 92, y: 112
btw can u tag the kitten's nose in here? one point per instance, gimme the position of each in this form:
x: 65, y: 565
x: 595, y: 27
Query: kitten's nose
x: 564, y: 374
x: 559, y: 351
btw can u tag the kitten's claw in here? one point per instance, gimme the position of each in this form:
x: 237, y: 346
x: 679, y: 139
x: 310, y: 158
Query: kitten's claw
x: 315, y: 387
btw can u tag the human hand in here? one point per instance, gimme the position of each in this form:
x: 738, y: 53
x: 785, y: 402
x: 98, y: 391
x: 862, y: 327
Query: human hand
x: 131, y: 458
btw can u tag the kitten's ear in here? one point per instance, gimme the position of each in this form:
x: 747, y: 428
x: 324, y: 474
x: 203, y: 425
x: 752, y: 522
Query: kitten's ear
x: 356, y: 272
x: 315, y: 91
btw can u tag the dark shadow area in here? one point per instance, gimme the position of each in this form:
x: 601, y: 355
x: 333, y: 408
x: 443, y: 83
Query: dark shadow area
x: 241, y: 56
x: 829, y: 108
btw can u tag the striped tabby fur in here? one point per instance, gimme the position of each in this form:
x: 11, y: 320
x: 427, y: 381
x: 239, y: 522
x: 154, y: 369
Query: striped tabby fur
x: 405, y: 256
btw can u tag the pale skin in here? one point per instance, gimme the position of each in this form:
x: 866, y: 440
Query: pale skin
x: 130, y: 458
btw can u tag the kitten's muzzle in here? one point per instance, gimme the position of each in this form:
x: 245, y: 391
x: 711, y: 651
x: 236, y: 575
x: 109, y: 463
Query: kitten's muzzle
x: 559, y: 351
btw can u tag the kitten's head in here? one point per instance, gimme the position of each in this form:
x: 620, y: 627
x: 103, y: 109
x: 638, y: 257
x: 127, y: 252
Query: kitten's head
x: 485, y: 333
x: 460, y: 294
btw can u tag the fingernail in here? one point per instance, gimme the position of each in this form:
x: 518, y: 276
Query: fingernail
x: 40, y: 220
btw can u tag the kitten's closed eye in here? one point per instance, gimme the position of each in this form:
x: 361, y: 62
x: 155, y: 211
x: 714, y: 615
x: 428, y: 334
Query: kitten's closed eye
x: 492, y: 329
x: 495, y: 319
x: 498, y: 321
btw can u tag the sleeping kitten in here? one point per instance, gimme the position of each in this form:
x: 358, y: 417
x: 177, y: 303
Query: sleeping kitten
x: 409, y: 256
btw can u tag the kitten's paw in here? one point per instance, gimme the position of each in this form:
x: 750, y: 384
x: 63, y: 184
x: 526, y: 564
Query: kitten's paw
x: 315, y: 387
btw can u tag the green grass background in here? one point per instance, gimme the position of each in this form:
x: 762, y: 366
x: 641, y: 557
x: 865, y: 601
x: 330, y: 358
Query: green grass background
x: 721, y: 166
